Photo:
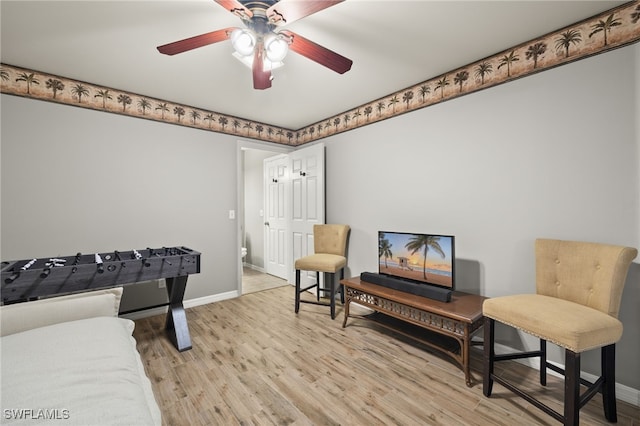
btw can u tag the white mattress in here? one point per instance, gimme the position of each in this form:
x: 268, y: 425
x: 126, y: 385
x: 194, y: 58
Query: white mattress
x: 85, y: 372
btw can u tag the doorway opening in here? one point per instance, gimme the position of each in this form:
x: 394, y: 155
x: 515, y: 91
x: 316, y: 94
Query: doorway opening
x: 252, y: 275
x: 280, y: 198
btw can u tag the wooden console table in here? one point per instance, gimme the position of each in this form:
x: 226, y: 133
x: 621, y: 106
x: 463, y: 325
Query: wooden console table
x: 449, y: 326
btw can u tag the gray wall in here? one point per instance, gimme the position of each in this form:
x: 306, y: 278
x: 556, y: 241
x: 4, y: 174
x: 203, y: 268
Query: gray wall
x: 253, y: 204
x: 76, y: 180
x: 637, y: 122
x: 553, y: 155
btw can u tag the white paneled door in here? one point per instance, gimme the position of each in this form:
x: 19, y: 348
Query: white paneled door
x: 294, y: 202
x: 307, y: 199
x: 276, y: 170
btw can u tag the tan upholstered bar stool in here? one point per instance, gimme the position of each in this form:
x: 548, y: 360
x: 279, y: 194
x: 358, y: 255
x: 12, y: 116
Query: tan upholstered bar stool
x: 578, y: 292
x: 330, y: 246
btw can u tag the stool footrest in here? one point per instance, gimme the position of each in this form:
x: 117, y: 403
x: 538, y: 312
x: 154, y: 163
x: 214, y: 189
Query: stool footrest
x: 313, y: 302
x: 593, y: 389
x: 519, y: 355
x: 326, y: 290
x: 308, y: 288
x: 559, y: 417
x: 555, y: 368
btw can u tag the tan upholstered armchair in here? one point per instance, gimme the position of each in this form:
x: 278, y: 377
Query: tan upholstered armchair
x: 578, y: 292
x: 330, y: 246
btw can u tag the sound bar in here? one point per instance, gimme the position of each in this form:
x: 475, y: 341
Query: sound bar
x: 424, y: 290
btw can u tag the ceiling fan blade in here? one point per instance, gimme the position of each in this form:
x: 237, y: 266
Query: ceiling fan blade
x: 287, y: 11
x: 261, y: 78
x: 235, y: 7
x: 195, y: 42
x: 317, y: 53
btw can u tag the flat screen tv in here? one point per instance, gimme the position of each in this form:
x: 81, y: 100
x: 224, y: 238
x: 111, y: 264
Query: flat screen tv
x: 419, y: 258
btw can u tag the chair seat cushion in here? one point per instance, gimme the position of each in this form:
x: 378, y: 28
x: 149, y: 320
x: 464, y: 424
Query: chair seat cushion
x: 321, y: 262
x: 567, y: 324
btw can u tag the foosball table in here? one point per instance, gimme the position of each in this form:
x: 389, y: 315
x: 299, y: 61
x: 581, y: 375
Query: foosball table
x: 32, y: 279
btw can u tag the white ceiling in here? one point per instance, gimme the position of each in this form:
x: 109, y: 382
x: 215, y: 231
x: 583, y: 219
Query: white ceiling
x: 393, y: 45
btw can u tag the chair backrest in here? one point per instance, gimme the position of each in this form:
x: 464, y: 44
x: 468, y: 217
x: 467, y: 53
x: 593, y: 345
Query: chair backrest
x: 591, y: 274
x: 330, y: 239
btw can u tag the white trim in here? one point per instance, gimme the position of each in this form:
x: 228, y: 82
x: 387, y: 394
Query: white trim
x: 254, y: 267
x: 244, y: 144
x: 623, y: 393
x: 191, y: 303
x: 187, y: 304
x: 133, y: 316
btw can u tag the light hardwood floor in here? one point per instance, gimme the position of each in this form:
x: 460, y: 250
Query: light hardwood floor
x: 253, y: 281
x: 255, y: 362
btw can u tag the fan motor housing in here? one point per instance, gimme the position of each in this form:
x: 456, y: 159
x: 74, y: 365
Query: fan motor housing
x: 254, y: 5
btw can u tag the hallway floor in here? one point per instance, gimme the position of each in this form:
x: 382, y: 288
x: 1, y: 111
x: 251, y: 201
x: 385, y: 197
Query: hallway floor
x: 253, y: 281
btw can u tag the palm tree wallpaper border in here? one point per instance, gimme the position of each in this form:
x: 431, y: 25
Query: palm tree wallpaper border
x: 612, y: 29
x: 47, y: 87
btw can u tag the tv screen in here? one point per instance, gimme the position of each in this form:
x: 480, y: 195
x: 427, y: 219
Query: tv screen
x: 420, y: 258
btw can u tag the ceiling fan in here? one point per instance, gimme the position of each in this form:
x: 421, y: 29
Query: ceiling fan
x: 262, y: 45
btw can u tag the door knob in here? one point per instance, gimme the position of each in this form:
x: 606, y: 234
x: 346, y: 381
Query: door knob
x: 266, y: 223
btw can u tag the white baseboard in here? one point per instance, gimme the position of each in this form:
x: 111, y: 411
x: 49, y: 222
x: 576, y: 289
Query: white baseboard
x: 210, y: 299
x: 145, y: 314
x: 187, y: 304
x: 623, y: 393
x: 254, y: 267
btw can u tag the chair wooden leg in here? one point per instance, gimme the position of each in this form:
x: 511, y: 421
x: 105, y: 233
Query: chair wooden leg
x: 318, y: 284
x: 573, y: 400
x: 543, y: 362
x: 608, y: 361
x: 571, y: 388
x: 297, y: 291
x: 489, y: 354
x: 341, y: 286
x: 332, y: 293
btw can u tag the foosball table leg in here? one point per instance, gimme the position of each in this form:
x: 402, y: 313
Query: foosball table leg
x: 176, y: 324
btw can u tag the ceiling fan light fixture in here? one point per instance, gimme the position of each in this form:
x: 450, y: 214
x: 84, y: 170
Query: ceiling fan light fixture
x: 243, y: 41
x: 260, y: 41
x: 276, y: 47
x: 267, y: 65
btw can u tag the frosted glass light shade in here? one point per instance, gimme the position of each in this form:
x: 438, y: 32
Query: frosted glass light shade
x: 275, y: 47
x: 243, y: 41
